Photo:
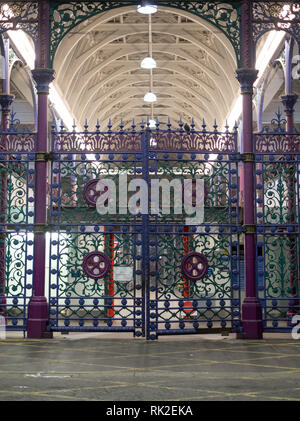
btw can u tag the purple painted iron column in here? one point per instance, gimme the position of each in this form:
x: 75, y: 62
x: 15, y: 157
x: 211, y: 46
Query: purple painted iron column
x: 251, y: 308
x: 5, y: 103
x: 289, y: 99
x: 38, y: 314
x: 289, y: 102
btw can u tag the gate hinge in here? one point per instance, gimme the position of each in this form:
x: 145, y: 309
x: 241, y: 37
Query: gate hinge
x: 248, y: 157
x: 44, y: 156
x: 249, y: 229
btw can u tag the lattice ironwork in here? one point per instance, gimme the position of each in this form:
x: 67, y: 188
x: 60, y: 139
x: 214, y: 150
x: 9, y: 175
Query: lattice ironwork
x: 66, y: 15
x: 17, y: 177
x: 277, y: 219
x: 274, y: 139
x: 279, y: 15
x: 158, y: 299
x: 17, y: 138
x: 173, y: 139
x: 17, y: 199
x: 20, y: 15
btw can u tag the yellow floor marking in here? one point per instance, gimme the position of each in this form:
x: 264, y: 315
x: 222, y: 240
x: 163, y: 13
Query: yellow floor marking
x: 263, y: 358
x: 281, y: 398
x: 216, y: 392
x: 73, y: 389
x: 263, y: 365
x: 208, y: 397
x: 13, y: 392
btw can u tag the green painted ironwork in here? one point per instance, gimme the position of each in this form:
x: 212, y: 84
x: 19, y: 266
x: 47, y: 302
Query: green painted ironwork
x: 71, y: 283
x: 278, y: 236
x: 66, y: 15
x: 16, y: 239
x: 216, y: 286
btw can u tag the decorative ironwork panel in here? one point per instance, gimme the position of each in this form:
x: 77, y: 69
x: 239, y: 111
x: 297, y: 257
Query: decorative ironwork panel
x: 79, y: 301
x: 20, y: 15
x: 18, y: 248
x: 277, y: 143
x: 204, y: 141
x: 279, y: 15
x: 220, y: 177
x: 66, y: 15
x: 17, y: 181
x: 277, y: 218
x: 176, y: 303
x: 95, y: 260
x: 71, y: 174
x: 96, y: 142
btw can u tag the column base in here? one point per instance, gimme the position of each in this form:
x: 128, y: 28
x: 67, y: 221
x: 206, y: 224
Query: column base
x: 251, y: 320
x: 38, y: 317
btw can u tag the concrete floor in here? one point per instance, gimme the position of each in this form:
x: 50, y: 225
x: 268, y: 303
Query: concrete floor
x: 102, y: 367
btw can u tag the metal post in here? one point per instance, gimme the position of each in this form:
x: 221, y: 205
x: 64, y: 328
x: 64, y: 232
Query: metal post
x: 145, y: 236
x: 187, y: 307
x: 110, y: 288
x: 289, y: 101
x: 251, y: 308
x: 38, y: 314
x: 5, y: 102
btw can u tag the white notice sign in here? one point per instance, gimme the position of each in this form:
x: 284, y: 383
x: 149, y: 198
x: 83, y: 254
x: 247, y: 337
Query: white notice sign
x: 123, y: 273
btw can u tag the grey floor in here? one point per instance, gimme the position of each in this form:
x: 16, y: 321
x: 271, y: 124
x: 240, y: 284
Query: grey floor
x: 100, y: 367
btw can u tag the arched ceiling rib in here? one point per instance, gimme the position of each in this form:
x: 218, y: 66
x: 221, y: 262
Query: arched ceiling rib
x: 217, y: 104
x: 126, y: 95
x: 197, y: 70
x: 98, y: 67
x: 202, y: 104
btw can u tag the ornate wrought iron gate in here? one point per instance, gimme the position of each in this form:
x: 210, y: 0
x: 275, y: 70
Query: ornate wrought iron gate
x: 148, y: 273
x: 151, y: 273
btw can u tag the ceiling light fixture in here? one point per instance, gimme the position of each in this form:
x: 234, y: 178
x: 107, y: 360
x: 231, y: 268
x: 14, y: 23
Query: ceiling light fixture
x: 150, y: 97
x: 147, y: 8
x: 148, y: 63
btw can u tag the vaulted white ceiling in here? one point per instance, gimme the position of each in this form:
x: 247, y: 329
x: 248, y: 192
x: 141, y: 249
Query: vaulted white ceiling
x: 98, y: 68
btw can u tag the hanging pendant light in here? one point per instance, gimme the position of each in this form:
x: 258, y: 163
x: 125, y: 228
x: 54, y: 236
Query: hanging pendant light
x: 146, y: 8
x: 148, y: 63
x: 150, y: 97
x: 152, y: 123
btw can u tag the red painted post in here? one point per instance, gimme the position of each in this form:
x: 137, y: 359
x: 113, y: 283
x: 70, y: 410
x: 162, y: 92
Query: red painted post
x: 251, y: 308
x: 111, y: 283
x: 38, y: 314
x: 187, y: 307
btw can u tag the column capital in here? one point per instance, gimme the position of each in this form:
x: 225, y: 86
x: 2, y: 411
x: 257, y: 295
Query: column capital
x: 5, y: 102
x: 289, y: 102
x: 246, y: 77
x: 42, y: 78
